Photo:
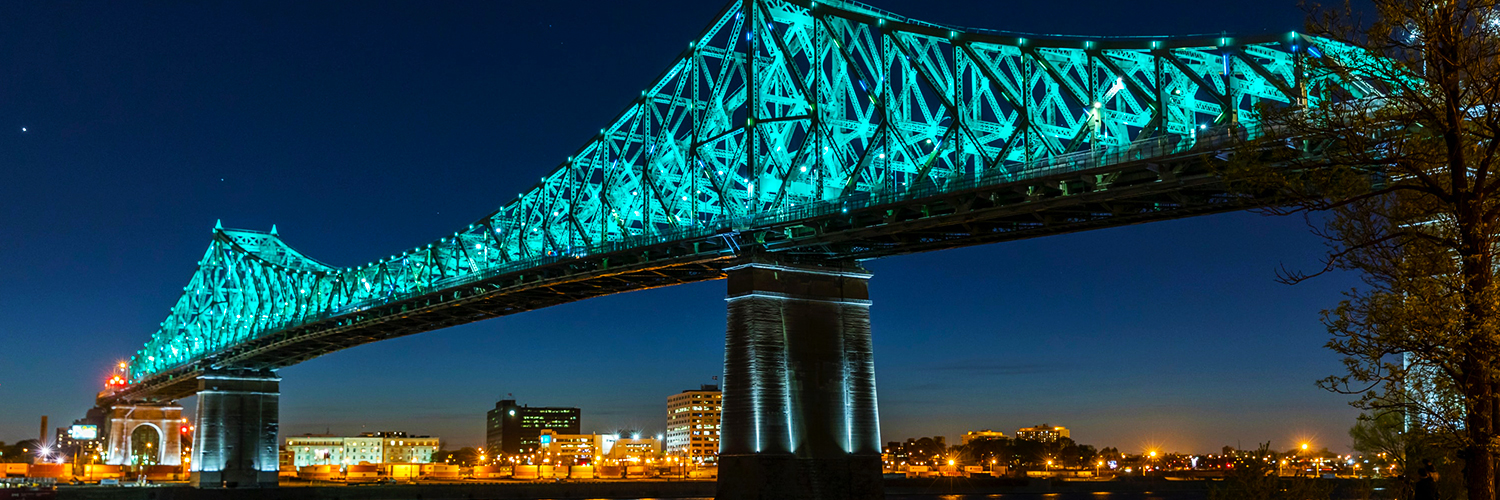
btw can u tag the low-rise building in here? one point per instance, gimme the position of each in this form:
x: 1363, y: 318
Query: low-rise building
x: 592, y: 449
x: 570, y: 449
x: 633, y: 450
x: 366, y: 448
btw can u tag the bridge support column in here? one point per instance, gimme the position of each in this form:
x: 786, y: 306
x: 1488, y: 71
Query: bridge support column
x: 799, y: 418
x: 235, y: 443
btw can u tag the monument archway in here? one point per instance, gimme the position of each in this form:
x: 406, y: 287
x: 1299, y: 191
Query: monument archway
x: 125, y: 420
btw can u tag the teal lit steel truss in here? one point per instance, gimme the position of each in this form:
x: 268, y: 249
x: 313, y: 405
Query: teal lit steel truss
x: 780, y: 107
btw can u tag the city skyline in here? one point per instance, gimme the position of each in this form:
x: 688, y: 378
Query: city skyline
x: 1157, y: 333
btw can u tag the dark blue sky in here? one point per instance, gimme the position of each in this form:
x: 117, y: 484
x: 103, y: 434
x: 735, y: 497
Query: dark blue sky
x: 360, y: 128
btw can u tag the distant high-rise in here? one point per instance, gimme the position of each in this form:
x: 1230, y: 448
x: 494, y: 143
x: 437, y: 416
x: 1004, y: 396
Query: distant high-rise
x: 513, y: 429
x: 1045, y: 432
x: 693, y: 423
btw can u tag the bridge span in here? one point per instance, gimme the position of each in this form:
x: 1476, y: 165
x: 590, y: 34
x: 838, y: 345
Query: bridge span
x: 790, y: 141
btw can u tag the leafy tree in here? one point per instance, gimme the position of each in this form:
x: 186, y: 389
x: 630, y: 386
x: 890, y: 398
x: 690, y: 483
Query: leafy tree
x: 984, y: 451
x: 1399, y: 450
x: 22, y: 451
x: 1257, y: 479
x: 1077, y: 455
x: 1063, y: 452
x: 1398, y: 174
x: 464, y: 457
x: 1029, y: 453
x: 1384, y: 435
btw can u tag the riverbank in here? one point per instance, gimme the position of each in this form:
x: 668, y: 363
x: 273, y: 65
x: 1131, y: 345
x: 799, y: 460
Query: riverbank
x: 679, y: 489
x: 455, y: 491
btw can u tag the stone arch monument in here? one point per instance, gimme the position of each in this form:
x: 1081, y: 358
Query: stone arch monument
x: 124, y: 418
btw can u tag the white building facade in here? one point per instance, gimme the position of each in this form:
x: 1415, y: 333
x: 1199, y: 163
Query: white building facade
x: 693, y: 424
x: 367, y: 448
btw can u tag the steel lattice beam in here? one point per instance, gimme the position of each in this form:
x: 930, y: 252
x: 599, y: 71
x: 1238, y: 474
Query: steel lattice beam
x: 827, y: 128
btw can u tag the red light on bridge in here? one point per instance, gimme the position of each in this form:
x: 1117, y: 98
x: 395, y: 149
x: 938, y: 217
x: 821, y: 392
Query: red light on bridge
x: 184, y: 429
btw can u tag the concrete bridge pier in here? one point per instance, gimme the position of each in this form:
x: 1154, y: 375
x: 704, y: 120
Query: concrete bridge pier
x: 799, y: 419
x: 235, y: 443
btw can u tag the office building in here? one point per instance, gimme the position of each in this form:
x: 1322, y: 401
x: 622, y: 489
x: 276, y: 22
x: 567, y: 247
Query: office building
x: 513, y: 430
x: 366, y: 448
x: 693, y: 423
x: 1046, y: 433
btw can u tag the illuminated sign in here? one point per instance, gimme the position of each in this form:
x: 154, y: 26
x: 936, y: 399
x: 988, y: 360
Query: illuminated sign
x: 546, y: 439
x: 83, y: 432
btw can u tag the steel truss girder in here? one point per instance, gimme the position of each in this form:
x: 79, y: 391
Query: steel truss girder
x: 778, y: 108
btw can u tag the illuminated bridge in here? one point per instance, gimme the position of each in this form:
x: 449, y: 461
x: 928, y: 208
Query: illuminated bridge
x: 790, y: 141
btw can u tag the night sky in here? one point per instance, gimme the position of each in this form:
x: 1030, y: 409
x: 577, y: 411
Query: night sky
x: 363, y: 128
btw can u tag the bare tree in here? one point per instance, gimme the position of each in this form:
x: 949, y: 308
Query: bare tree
x: 1391, y: 160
